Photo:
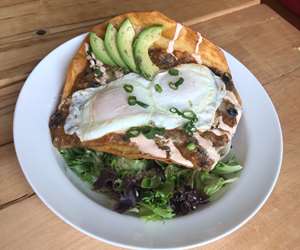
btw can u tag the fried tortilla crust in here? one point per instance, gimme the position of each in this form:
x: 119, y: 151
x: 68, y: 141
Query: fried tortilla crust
x: 184, y: 47
x: 211, y: 55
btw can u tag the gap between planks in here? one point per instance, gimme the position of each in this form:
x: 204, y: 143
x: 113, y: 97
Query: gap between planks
x: 17, y: 200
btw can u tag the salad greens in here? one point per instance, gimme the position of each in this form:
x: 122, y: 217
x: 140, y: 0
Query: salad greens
x: 150, y: 189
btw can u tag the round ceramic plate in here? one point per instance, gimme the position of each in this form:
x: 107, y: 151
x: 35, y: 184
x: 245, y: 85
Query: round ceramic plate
x: 258, y: 145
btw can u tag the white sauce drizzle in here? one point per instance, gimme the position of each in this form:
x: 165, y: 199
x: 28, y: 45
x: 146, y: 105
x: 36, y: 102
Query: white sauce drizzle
x: 176, y: 156
x: 148, y: 146
x: 218, y: 132
x: 208, y: 146
x: 176, y: 35
x: 196, y: 54
x: 224, y: 126
x: 230, y: 96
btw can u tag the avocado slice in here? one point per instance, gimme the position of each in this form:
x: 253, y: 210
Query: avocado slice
x: 125, y: 39
x: 140, y: 50
x: 98, y: 49
x: 110, y: 43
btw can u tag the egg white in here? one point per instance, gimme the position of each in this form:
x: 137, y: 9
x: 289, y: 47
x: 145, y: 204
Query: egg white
x: 95, y: 112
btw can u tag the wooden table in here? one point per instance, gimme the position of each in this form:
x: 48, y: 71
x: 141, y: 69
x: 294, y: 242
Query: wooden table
x: 257, y: 36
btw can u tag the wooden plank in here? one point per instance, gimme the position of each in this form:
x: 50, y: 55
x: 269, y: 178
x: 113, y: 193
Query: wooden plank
x: 41, y: 229
x: 27, y: 16
x: 259, y: 38
x: 6, y: 121
x: 276, y: 225
x: 13, y: 185
x: 8, y: 97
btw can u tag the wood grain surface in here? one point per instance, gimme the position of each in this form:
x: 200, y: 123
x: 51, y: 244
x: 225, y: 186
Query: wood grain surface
x: 257, y: 36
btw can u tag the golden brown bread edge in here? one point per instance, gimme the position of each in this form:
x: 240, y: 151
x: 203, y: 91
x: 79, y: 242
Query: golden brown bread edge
x: 210, y: 54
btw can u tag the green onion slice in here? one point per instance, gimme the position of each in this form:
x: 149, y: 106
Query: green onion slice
x: 190, y: 115
x: 142, y: 104
x: 128, y: 88
x: 158, y: 88
x: 133, y: 132
x: 148, y: 131
x: 131, y: 100
x: 179, y: 82
x: 175, y: 85
x: 173, y: 72
x: 174, y: 110
x: 189, y: 128
x: 191, y: 146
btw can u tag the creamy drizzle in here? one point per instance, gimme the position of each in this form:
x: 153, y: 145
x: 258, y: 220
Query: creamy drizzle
x: 196, y: 54
x: 176, y: 156
x: 227, y: 128
x: 170, y: 48
x: 218, y: 132
x: 230, y: 96
x: 148, y: 146
x: 208, y: 146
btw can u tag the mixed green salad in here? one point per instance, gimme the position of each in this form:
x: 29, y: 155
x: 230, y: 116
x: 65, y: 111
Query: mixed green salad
x: 150, y: 189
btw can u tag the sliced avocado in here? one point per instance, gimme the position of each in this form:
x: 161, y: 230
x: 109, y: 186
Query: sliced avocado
x: 140, y: 50
x: 125, y: 39
x: 98, y: 49
x: 110, y: 43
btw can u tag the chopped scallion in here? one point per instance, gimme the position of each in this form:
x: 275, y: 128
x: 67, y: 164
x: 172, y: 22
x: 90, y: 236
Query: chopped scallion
x: 133, y: 132
x: 142, y: 104
x: 132, y: 100
x: 189, y: 128
x: 128, y: 88
x: 190, y: 115
x: 158, y: 88
x: 174, y: 110
x: 191, y: 146
x: 175, y: 85
x: 179, y: 81
x: 148, y: 131
x: 173, y: 72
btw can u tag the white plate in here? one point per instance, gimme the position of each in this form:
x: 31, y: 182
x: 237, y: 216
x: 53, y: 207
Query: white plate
x: 258, y: 144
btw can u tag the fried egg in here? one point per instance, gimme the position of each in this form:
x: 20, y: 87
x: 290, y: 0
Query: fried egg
x: 95, y: 112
